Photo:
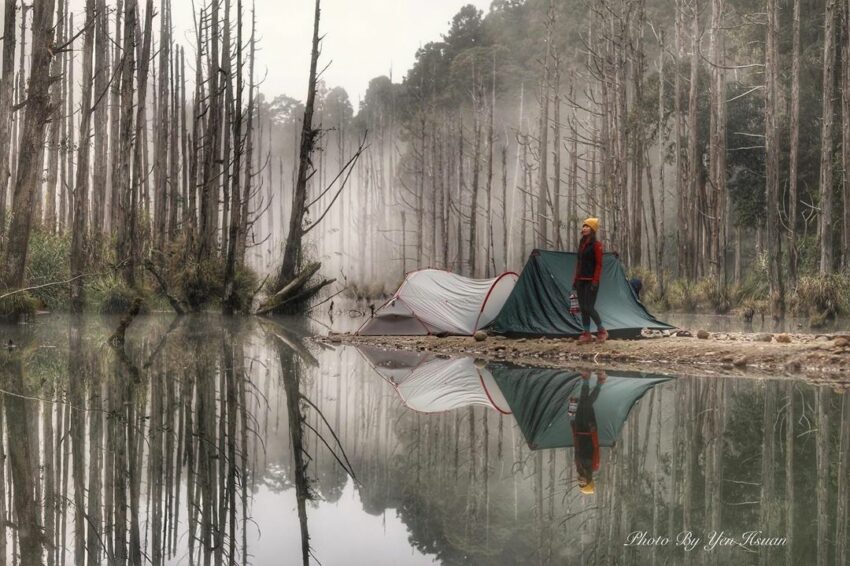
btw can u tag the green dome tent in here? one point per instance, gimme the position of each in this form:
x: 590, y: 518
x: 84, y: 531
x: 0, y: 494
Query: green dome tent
x: 539, y: 303
x: 539, y: 400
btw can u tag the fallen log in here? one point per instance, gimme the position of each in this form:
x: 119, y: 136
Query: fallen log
x: 179, y: 306
x: 300, y: 280
x: 293, y: 301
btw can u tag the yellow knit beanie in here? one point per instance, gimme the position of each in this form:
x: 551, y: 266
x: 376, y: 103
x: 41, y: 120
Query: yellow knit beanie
x: 592, y: 223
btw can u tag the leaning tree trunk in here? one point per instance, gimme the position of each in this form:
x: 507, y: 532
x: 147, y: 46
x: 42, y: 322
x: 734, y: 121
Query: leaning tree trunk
x: 292, y: 250
x: 38, y: 111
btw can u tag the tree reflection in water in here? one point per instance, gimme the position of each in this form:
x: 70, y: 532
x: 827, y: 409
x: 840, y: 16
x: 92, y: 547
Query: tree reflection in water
x: 199, y: 439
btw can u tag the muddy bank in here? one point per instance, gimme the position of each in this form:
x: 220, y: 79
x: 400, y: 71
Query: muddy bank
x: 820, y: 358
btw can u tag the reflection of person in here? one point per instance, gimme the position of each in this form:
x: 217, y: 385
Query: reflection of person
x: 586, y: 279
x: 585, y: 435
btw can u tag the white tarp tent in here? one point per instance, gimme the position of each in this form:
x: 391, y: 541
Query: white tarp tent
x: 433, y: 301
x: 428, y: 384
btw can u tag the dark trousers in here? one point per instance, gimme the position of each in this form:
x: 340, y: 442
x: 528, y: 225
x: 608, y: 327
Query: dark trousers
x: 586, y: 302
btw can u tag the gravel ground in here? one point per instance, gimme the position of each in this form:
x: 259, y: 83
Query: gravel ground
x: 819, y: 358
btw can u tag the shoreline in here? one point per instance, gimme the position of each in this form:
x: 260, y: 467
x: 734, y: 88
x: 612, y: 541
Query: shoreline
x: 822, y: 358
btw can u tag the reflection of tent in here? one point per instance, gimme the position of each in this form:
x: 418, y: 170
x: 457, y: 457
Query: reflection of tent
x: 429, y: 384
x: 432, y: 301
x: 539, y: 304
x: 539, y: 399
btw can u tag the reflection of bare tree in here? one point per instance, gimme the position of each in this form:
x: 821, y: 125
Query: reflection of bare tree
x: 822, y: 483
x: 21, y: 459
x: 843, y: 491
x: 293, y: 355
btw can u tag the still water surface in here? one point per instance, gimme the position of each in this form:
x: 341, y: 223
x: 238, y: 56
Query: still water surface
x: 215, y: 441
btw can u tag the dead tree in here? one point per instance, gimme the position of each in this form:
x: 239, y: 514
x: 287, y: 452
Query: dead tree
x: 826, y: 171
x: 56, y: 95
x: 123, y: 191
x: 101, y: 85
x: 37, y: 113
x: 81, y: 186
x: 161, y: 169
x: 771, y: 141
x: 229, y: 303
x: 292, y: 290
x: 7, y: 75
x: 794, y: 149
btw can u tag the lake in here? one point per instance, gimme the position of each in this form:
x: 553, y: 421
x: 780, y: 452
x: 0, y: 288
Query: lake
x: 206, y: 440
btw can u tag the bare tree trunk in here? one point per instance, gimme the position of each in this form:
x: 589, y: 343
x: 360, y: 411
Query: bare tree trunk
x: 543, y: 131
x: 209, y: 187
x: 771, y: 139
x: 638, y: 144
x: 38, y: 112
x: 556, y: 152
x: 115, y: 215
x: 476, y: 168
x: 81, y: 186
x: 461, y: 187
x: 489, y: 260
x: 70, y: 130
x: 161, y: 169
x: 693, y: 159
x: 56, y: 91
x: 247, y: 185
x: 101, y: 84
x: 228, y: 305
x: 123, y: 189
x: 845, y: 133
x: 826, y: 173
x: 794, y: 149
x: 681, y: 190
x: 292, y: 251
x: 660, y: 238
x: 7, y: 78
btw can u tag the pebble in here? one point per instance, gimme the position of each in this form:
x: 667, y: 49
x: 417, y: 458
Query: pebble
x: 703, y: 334
x: 841, y: 342
x: 740, y: 362
x: 480, y: 336
x: 783, y: 338
x: 762, y: 337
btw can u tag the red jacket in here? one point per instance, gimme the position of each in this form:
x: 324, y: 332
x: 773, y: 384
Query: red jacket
x: 589, y: 261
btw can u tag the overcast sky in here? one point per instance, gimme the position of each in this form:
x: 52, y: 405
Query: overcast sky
x: 363, y: 38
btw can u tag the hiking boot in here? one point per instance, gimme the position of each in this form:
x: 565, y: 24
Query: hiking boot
x: 585, y: 338
x: 602, y: 335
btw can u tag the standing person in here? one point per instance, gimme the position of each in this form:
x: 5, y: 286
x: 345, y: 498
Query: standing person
x: 586, y: 280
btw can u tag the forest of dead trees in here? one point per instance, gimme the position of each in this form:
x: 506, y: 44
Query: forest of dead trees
x: 137, y: 162
x: 712, y: 138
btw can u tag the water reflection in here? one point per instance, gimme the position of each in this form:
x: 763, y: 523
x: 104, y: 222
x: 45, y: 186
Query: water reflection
x: 205, y: 441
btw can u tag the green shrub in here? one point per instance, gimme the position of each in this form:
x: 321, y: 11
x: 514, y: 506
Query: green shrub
x: 681, y: 295
x: 48, y: 262
x: 109, y: 294
x: 712, y: 293
x: 17, y: 305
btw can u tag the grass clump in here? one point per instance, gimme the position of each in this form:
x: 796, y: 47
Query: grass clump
x: 682, y: 295
x: 822, y: 297
x: 48, y: 262
x: 110, y: 294
x: 201, y: 284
